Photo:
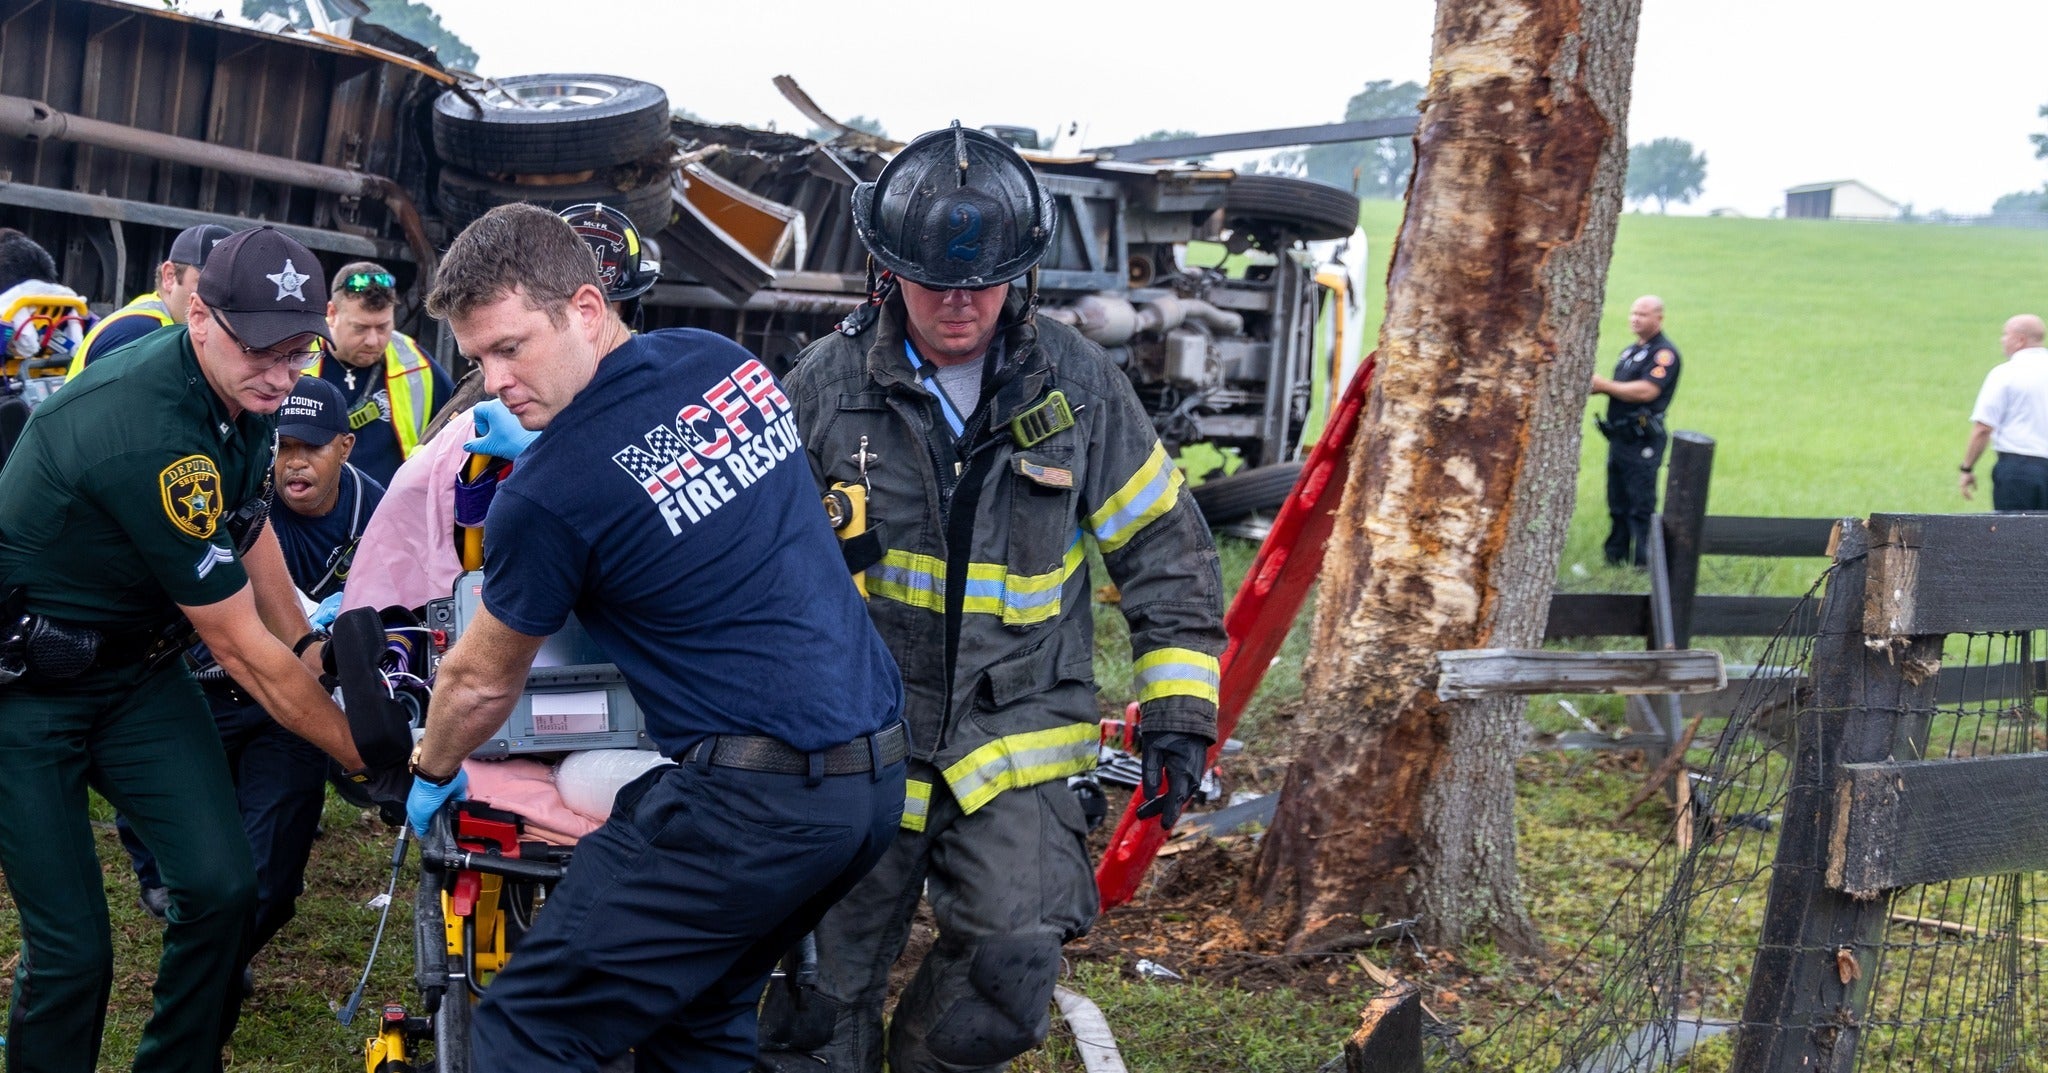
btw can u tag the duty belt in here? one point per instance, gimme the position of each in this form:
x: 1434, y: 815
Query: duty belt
x: 1644, y: 425
x: 748, y: 752
x: 46, y: 650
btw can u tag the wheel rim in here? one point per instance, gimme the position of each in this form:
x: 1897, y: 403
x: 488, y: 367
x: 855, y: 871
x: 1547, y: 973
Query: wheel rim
x: 551, y: 96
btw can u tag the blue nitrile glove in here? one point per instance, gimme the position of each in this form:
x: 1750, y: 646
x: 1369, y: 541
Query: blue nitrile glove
x: 427, y: 799
x: 324, y: 615
x: 497, y: 432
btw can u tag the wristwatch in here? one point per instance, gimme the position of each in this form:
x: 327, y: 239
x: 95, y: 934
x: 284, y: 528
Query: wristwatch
x: 413, y: 765
x: 313, y: 636
x: 1966, y: 469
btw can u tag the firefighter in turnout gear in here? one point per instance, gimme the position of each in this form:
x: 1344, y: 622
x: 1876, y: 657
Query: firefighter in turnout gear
x: 994, y: 448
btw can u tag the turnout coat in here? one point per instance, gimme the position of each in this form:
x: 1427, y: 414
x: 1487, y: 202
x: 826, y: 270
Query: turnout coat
x: 981, y: 589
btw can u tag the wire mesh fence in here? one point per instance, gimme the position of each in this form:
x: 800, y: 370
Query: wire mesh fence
x: 1954, y: 972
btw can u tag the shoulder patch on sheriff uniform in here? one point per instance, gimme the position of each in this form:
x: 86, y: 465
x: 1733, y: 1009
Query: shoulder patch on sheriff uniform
x: 1666, y: 356
x: 1658, y: 372
x: 192, y: 495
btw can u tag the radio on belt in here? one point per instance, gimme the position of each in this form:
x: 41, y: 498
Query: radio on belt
x: 574, y: 698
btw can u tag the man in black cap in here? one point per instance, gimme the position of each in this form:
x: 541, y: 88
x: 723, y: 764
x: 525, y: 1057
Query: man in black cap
x: 160, y: 308
x: 281, y: 778
x: 133, y: 515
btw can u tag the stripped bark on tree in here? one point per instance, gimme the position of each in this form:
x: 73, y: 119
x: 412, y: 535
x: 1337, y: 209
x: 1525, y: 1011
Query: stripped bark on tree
x: 1462, y: 482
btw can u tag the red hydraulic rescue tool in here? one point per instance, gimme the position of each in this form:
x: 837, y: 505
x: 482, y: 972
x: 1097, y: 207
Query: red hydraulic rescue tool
x: 1258, y: 619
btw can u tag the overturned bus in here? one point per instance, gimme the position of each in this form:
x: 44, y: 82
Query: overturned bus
x: 1232, y: 301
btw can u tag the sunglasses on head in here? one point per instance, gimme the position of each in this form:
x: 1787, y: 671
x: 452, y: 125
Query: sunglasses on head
x: 357, y: 282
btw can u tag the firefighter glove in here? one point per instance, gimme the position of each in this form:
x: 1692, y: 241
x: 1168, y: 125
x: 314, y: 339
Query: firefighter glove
x: 1179, y: 757
x: 498, y: 433
x: 427, y: 799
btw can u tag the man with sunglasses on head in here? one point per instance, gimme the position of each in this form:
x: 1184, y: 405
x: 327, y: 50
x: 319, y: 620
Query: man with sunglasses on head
x: 131, y: 516
x: 392, y: 385
x: 991, y: 443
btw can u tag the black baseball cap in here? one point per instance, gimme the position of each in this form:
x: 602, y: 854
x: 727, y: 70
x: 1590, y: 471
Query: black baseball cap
x: 266, y: 286
x: 194, y: 243
x: 315, y: 412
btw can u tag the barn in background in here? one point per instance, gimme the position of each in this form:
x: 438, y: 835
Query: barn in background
x: 1843, y: 199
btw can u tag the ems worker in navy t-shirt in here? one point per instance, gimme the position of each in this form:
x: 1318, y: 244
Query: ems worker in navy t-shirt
x: 670, y: 507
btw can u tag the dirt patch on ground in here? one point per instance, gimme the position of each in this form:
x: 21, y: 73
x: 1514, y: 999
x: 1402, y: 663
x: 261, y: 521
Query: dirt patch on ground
x: 1194, y: 918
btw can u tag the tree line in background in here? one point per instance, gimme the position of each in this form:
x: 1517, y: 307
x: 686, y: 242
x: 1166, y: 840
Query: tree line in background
x: 1377, y: 168
x: 414, y: 20
x: 1665, y: 170
x: 2027, y: 201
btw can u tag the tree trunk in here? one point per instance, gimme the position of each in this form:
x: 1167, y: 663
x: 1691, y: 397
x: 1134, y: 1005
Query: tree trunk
x: 1460, y: 494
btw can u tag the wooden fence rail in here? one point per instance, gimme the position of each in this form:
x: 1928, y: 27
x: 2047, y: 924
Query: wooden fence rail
x: 1866, y: 815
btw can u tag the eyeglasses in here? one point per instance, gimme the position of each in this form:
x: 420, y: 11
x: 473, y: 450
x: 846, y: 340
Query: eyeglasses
x: 358, y: 282
x: 270, y: 358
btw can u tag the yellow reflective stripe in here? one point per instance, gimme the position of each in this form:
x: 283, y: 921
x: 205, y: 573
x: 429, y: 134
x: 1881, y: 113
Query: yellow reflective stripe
x: 408, y: 382
x: 909, y: 578
x: 917, y: 804
x: 1020, y: 760
x: 409, y: 378
x: 145, y: 305
x: 1019, y: 599
x: 1176, y: 672
x: 1149, y: 493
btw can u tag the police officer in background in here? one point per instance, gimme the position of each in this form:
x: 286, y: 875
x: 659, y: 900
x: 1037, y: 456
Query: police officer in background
x: 392, y: 385
x: 134, y: 505
x: 1644, y: 380
x: 990, y: 444
x: 160, y: 308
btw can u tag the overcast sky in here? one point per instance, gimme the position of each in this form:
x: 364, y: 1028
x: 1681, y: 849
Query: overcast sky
x: 1928, y: 103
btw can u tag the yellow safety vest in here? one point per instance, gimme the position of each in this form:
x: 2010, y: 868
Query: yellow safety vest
x: 409, y: 381
x: 145, y: 305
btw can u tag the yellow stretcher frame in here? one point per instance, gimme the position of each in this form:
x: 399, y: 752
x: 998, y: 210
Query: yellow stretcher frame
x: 51, y: 310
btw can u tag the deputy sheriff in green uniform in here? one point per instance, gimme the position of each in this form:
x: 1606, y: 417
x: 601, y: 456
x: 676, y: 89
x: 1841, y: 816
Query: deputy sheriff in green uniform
x: 134, y: 503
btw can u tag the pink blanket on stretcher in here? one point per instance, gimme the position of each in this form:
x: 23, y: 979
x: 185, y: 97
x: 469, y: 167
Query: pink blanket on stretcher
x: 407, y: 555
x: 527, y: 787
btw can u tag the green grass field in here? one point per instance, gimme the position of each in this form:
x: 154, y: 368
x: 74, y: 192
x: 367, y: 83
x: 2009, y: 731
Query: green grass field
x: 1834, y: 364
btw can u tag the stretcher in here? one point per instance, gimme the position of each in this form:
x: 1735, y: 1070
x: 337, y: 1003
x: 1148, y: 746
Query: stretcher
x: 483, y: 876
x: 482, y: 881
x: 41, y: 326
x: 480, y: 886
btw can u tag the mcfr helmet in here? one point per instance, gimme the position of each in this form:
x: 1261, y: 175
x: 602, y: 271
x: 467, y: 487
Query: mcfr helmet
x: 622, y: 263
x: 955, y: 208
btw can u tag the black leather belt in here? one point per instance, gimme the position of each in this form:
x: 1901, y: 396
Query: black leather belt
x: 754, y: 753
